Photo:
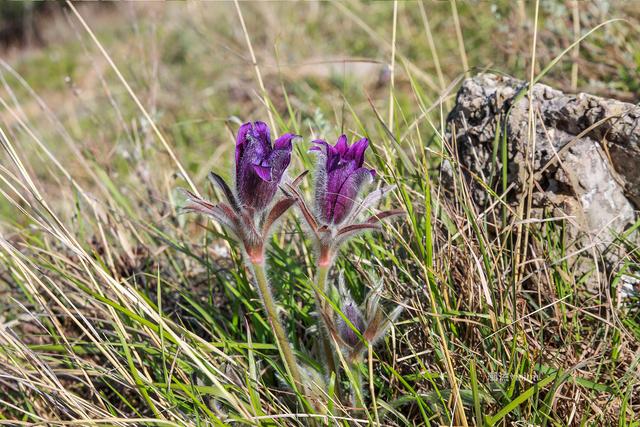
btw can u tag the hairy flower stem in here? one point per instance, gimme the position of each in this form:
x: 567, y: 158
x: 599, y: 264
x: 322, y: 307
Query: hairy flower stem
x: 357, y: 392
x: 321, y: 288
x: 285, y: 347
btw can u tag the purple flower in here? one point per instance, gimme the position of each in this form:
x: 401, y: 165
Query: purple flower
x: 249, y: 213
x: 259, y: 165
x: 348, y: 335
x: 340, y: 176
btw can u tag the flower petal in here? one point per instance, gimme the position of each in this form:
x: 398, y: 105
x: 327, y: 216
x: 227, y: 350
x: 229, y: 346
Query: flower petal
x: 284, y: 142
x: 241, y: 141
x: 253, y: 145
x: 342, y: 191
x: 261, y: 166
x: 356, y: 151
x: 264, y: 172
x: 261, y: 131
x: 280, y: 157
x: 348, y: 331
x: 339, y: 177
x: 342, y: 146
x: 331, y: 155
x: 319, y: 142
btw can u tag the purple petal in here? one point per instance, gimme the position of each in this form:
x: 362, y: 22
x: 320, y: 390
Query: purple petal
x: 241, y: 141
x: 260, y: 167
x: 339, y: 177
x: 342, y: 194
x: 261, y: 131
x: 284, y: 142
x: 333, y: 158
x: 253, y: 145
x: 254, y: 174
x: 356, y: 151
x: 351, y: 312
x: 331, y: 154
x: 256, y: 187
x: 342, y: 146
x: 279, y: 161
x: 320, y: 144
x: 263, y: 172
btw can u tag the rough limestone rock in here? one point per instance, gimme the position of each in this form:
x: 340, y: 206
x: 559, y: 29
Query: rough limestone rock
x: 585, y: 158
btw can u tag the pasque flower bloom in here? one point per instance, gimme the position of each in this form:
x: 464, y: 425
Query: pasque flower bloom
x: 339, y: 178
x: 259, y: 165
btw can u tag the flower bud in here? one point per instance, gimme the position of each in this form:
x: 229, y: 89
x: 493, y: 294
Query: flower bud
x: 351, y: 312
x: 259, y: 165
x: 339, y: 178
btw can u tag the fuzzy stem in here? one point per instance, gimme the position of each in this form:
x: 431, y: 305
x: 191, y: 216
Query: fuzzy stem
x: 325, y: 259
x: 321, y: 286
x: 357, y: 392
x: 321, y: 279
x: 285, y: 347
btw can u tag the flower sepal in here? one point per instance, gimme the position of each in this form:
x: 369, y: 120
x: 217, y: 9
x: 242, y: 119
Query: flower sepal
x: 249, y: 212
x: 252, y: 229
x: 330, y: 237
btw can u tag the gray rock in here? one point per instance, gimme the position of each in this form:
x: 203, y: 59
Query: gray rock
x: 585, y: 158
